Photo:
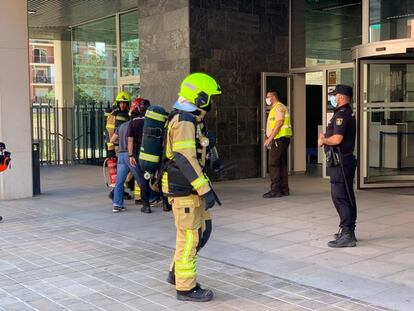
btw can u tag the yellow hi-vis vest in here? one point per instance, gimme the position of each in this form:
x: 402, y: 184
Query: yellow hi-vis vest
x: 286, y: 129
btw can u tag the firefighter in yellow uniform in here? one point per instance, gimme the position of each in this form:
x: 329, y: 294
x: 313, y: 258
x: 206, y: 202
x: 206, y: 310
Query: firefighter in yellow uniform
x: 115, y: 118
x: 185, y: 183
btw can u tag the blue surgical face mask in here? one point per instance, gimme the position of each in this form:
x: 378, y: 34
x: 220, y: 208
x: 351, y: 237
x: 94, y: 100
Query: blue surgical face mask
x: 333, y: 101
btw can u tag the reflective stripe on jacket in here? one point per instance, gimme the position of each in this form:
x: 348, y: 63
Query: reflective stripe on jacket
x: 181, y: 149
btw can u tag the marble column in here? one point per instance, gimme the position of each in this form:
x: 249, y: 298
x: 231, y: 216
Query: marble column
x: 15, y: 113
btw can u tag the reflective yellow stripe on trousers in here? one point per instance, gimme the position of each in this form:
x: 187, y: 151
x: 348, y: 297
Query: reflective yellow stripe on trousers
x: 186, y: 268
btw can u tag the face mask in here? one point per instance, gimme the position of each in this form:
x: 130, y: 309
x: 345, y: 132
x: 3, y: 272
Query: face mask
x: 333, y: 101
x: 268, y: 102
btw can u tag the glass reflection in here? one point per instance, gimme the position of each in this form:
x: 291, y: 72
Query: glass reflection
x: 95, y: 62
x: 323, y: 32
x: 390, y: 114
x: 129, y: 44
x: 391, y: 19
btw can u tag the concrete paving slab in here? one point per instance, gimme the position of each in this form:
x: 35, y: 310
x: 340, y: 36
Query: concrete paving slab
x: 70, y: 232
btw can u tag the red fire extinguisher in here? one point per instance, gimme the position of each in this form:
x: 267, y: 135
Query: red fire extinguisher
x: 111, y: 164
x: 4, y: 157
x: 4, y: 161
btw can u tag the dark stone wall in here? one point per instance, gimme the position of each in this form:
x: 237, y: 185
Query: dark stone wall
x: 235, y: 40
x: 164, y: 48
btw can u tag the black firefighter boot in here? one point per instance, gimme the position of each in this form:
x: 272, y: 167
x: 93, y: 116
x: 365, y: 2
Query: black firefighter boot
x: 346, y: 239
x: 338, y: 235
x: 197, y: 294
x: 146, y: 208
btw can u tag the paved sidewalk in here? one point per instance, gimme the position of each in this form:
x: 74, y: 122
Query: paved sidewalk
x: 53, y: 263
x: 282, y: 240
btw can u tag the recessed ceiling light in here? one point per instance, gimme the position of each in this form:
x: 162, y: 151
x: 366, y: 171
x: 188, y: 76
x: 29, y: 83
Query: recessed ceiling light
x: 31, y: 12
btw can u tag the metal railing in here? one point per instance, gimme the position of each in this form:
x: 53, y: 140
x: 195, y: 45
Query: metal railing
x: 43, y: 79
x: 43, y: 59
x: 68, y: 135
x: 89, y: 133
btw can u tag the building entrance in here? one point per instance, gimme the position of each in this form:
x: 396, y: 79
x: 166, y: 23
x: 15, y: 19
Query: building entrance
x: 387, y: 122
x: 386, y: 113
x: 314, y: 90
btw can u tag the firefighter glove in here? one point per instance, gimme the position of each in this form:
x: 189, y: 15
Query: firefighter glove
x: 209, y: 199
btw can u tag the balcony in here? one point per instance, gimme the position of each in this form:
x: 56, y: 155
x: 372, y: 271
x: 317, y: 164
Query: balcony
x: 43, y: 80
x: 43, y: 59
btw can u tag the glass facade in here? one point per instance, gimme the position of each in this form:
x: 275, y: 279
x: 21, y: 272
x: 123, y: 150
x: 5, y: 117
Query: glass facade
x: 94, y: 53
x: 133, y: 89
x: 389, y: 111
x: 129, y: 44
x: 323, y: 32
x: 391, y: 19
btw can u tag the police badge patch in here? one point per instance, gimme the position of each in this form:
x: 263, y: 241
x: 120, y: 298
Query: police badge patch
x: 339, y: 121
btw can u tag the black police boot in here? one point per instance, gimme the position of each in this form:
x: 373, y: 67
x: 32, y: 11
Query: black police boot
x: 346, y: 239
x: 197, y: 294
x: 272, y: 194
x: 146, y: 208
x: 285, y: 193
x: 171, y: 277
x: 338, y: 235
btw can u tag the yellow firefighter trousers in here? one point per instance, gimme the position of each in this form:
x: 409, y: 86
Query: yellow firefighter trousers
x: 190, y: 215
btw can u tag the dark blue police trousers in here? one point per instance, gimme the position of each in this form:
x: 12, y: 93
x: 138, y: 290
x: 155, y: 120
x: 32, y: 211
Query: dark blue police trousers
x: 345, y: 203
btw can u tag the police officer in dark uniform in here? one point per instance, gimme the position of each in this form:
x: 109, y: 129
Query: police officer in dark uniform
x: 339, y: 143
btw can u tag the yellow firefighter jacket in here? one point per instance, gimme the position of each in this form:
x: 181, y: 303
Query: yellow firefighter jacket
x: 113, y: 120
x: 184, y: 169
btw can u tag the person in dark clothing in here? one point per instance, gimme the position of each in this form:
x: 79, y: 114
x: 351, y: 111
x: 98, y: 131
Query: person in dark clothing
x: 135, y: 133
x: 339, y: 143
x: 124, y: 165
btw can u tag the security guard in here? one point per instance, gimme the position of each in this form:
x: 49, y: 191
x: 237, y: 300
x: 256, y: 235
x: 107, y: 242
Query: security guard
x: 278, y: 134
x: 339, y: 143
x: 114, y: 119
x: 185, y: 183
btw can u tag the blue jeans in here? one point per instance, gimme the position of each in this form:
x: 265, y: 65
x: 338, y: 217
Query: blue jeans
x: 122, y: 169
